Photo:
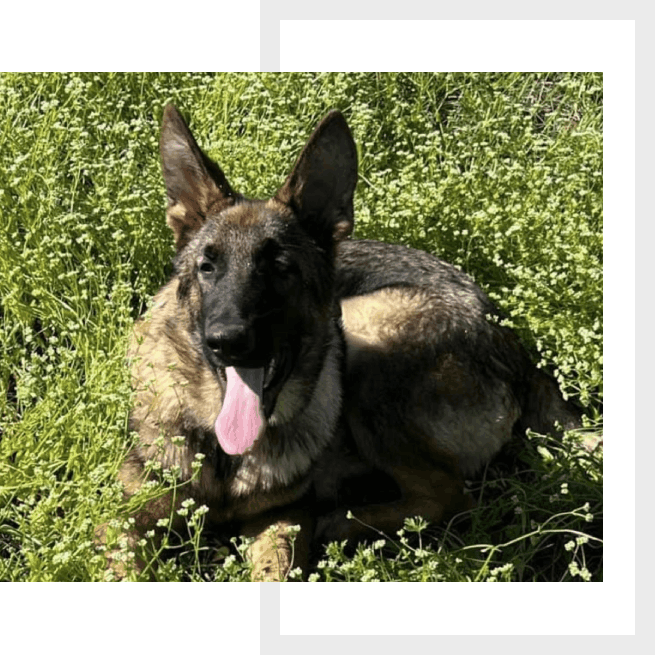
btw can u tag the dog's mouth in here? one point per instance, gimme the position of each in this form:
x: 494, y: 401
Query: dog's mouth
x: 249, y: 401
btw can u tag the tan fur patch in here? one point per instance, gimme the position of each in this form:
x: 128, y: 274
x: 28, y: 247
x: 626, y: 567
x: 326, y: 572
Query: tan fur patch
x: 373, y: 320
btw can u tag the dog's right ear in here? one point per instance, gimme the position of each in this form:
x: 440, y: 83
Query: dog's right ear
x: 194, y: 183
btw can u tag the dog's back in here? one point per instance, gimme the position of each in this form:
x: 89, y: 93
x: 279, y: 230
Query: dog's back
x: 404, y: 305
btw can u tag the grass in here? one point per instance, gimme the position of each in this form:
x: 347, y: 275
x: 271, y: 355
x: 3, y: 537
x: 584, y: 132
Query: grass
x: 500, y: 174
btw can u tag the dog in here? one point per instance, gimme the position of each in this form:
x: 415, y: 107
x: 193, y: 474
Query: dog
x: 292, y: 358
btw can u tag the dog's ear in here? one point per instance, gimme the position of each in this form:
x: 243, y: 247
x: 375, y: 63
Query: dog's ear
x: 194, y: 183
x: 321, y: 185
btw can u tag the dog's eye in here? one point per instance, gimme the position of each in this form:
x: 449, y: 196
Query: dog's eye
x: 209, y: 263
x: 266, y: 258
x: 284, y: 267
x: 206, y: 266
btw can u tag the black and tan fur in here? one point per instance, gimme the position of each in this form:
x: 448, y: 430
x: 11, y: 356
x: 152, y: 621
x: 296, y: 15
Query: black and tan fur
x: 376, y: 357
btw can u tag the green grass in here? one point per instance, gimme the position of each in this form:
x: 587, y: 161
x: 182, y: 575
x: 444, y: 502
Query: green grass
x: 500, y: 174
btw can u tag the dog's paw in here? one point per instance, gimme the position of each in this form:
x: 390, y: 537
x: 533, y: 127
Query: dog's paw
x: 337, y: 526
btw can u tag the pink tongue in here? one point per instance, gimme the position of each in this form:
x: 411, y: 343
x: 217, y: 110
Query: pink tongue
x: 241, y: 420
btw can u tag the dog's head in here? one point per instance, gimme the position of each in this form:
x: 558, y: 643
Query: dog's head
x: 257, y: 275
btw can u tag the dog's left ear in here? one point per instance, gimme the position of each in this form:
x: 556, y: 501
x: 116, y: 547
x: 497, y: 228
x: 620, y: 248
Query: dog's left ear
x: 321, y: 186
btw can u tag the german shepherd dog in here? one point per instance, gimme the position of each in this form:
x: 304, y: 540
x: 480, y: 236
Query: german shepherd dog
x: 293, y: 358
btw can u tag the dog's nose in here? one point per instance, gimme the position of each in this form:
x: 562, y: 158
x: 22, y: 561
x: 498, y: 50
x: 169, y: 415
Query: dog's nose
x: 232, y: 342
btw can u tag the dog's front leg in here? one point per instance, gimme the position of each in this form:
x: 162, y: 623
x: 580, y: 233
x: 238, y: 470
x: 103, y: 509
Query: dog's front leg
x: 278, y: 547
x: 142, y: 520
x: 430, y: 493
